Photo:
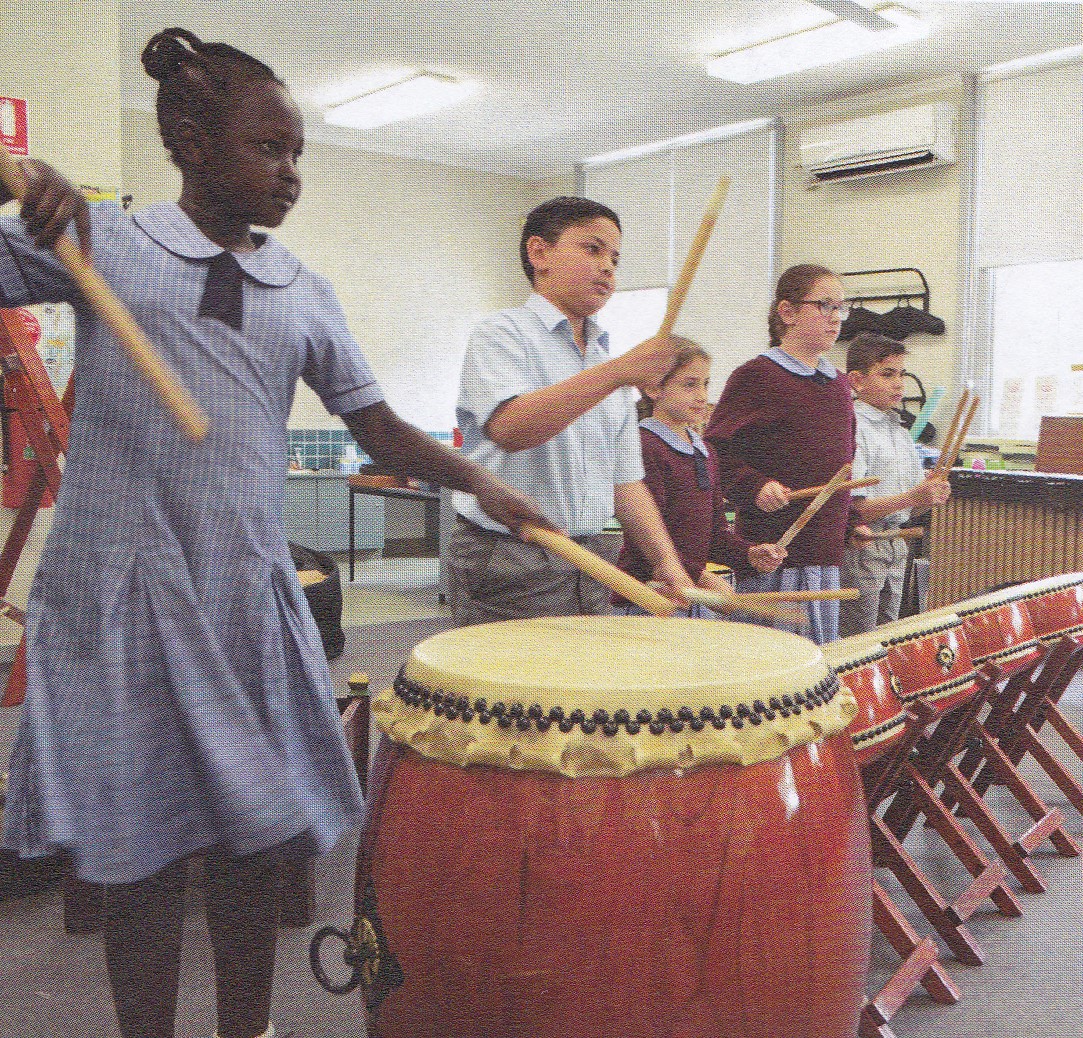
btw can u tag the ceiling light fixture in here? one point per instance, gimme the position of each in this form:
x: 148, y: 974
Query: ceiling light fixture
x: 417, y: 92
x: 828, y: 44
x: 638, y: 151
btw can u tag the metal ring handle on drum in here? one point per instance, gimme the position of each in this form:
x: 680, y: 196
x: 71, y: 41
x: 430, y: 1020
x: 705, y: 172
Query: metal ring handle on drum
x: 353, y: 955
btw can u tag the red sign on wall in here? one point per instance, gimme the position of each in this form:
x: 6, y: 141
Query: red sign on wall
x: 13, y: 125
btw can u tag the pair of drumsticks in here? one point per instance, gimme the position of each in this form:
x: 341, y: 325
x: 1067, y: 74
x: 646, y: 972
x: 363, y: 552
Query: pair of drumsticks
x: 956, y: 437
x: 647, y: 597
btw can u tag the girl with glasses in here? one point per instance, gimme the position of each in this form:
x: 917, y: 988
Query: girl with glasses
x: 785, y: 420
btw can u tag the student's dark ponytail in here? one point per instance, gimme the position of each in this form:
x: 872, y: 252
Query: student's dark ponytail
x: 792, y: 287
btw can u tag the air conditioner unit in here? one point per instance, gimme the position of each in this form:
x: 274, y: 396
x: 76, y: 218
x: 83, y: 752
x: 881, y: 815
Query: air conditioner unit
x: 910, y: 138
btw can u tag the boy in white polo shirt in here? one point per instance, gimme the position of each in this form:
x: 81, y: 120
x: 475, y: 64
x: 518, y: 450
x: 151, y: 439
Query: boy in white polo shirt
x: 874, y: 365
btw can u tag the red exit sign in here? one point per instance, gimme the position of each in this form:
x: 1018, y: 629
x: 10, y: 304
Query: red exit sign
x: 13, y: 125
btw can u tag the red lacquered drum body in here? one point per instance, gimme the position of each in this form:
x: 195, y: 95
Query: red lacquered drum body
x: 930, y: 658
x: 717, y: 900
x: 1055, y: 606
x: 998, y: 629
x: 881, y: 717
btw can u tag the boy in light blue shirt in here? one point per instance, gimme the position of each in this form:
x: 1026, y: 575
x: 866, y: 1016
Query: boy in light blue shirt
x: 884, y: 449
x: 542, y: 405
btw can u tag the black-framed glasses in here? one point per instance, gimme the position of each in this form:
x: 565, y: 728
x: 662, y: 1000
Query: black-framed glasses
x: 828, y: 307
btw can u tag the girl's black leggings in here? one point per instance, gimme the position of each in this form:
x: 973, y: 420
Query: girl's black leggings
x: 143, y: 926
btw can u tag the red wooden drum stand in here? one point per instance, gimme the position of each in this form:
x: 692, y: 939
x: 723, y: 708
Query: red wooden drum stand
x: 932, y: 670
x: 1003, y: 642
x: 619, y: 827
x: 1029, y: 701
x: 881, y: 722
x: 1001, y: 639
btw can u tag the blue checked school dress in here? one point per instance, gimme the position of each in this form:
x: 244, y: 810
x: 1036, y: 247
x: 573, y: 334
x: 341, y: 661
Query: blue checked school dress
x: 178, y: 695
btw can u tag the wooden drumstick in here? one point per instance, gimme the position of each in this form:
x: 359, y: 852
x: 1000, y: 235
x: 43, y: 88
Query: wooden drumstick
x: 953, y: 455
x: 850, y: 484
x: 695, y: 254
x: 839, y: 594
x: 602, y: 571
x: 910, y: 533
x: 187, y: 413
x: 956, y: 418
x: 815, y: 505
x: 731, y: 602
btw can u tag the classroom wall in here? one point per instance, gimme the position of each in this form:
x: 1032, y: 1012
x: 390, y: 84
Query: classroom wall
x: 417, y: 253
x: 907, y: 219
x: 65, y: 65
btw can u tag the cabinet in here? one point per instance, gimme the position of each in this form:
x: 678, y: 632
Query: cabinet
x: 316, y: 511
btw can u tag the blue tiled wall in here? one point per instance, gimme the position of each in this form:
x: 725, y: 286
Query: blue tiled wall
x: 325, y: 448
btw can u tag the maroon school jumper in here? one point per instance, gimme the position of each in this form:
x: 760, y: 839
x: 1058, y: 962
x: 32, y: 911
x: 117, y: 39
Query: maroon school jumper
x: 797, y: 429
x: 695, y: 517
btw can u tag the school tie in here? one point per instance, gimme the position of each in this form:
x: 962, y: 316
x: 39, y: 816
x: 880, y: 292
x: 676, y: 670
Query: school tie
x: 223, y: 295
x: 703, y: 476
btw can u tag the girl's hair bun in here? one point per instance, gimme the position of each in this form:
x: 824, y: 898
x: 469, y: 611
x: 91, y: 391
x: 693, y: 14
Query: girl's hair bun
x: 169, y: 51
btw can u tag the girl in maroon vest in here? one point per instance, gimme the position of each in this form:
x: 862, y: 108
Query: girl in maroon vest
x: 784, y: 421
x: 682, y: 478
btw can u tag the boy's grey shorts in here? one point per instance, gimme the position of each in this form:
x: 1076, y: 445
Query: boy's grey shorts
x: 495, y: 576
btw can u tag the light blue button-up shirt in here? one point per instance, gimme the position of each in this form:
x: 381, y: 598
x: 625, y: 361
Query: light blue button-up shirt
x: 885, y: 449
x: 572, y: 475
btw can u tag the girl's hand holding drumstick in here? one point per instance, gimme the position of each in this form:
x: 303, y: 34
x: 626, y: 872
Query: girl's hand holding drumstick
x: 766, y: 558
x: 49, y: 204
x: 772, y: 496
x: 815, y: 505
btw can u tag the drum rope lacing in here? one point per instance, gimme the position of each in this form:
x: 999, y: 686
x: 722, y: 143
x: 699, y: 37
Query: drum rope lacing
x: 523, y: 717
x: 858, y: 664
x: 871, y: 734
x: 937, y: 691
x: 1052, y: 589
x: 912, y: 635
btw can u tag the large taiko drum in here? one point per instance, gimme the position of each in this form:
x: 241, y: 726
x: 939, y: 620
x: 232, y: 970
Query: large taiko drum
x: 929, y: 657
x: 1055, y: 605
x: 621, y: 827
x: 998, y: 629
x: 881, y: 715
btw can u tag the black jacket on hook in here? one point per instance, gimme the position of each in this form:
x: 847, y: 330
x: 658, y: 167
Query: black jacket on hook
x: 907, y: 320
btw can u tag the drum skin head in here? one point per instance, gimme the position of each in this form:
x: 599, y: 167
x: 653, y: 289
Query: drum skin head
x: 612, y: 695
